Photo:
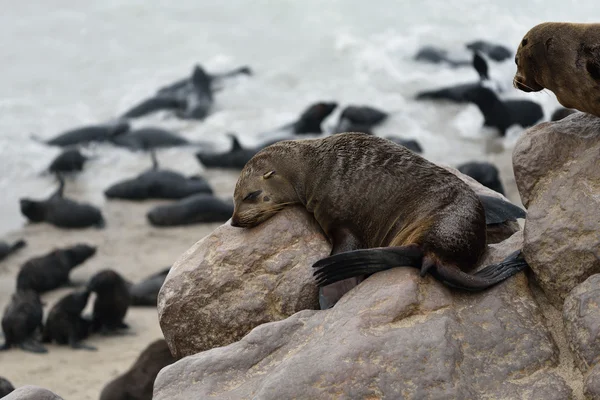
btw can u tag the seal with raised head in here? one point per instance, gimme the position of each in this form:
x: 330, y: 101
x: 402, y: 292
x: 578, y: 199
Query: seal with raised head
x: 70, y: 160
x: 112, y: 301
x: 21, y: 321
x: 137, y: 383
x: 7, y: 249
x: 381, y: 206
x: 62, y: 212
x: 563, y: 57
x: 51, y: 271
x: 65, y: 325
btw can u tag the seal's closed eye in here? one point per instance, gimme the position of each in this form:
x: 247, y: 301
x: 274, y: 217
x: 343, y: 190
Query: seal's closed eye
x: 252, y: 195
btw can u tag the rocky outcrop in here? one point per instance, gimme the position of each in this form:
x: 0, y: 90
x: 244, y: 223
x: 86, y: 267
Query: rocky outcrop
x: 591, y: 386
x: 236, y: 279
x: 581, y: 313
x: 30, y: 392
x: 557, y: 173
x: 396, y: 335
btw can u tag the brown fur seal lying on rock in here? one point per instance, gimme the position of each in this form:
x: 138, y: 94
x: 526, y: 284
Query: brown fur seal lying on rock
x: 564, y: 58
x: 381, y: 206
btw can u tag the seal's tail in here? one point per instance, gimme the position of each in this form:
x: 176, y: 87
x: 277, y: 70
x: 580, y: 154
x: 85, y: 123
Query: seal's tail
x: 363, y: 262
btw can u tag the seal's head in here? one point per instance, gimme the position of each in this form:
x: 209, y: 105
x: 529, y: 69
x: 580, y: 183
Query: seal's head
x: 34, y: 211
x: 261, y: 191
x: 529, y: 52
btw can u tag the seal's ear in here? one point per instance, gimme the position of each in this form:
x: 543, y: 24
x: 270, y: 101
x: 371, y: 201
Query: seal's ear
x: 268, y: 174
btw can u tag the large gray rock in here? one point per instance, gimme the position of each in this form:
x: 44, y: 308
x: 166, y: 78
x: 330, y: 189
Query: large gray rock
x: 30, y: 392
x: 581, y: 313
x: 235, y: 279
x: 396, y: 335
x: 557, y: 171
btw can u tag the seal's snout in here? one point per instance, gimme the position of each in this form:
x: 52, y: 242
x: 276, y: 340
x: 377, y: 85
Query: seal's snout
x: 521, y: 86
x: 235, y: 221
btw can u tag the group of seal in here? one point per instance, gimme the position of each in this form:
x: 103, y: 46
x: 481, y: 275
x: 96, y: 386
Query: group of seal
x: 65, y: 325
x: 497, y: 113
x: 381, y: 206
x: 437, y: 55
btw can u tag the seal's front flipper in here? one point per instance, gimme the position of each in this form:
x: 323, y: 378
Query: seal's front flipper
x: 498, y: 211
x: 365, y: 262
x: 33, y: 347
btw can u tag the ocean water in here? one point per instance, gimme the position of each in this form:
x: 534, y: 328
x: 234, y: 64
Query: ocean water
x: 66, y: 63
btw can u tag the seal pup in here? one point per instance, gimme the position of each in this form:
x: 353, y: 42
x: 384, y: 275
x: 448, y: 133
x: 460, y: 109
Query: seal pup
x: 483, y: 172
x: 70, y: 160
x: 437, y: 55
x: 64, y: 324
x: 564, y: 58
x: 502, y: 114
x: 88, y: 134
x: 111, y: 303
x: 496, y: 52
x: 145, y: 292
x: 8, y: 249
x: 561, y: 113
x: 150, y: 138
x: 21, y: 321
x: 311, y: 119
x: 154, y: 104
x: 138, y: 382
x: 381, y: 206
x: 457, y: 93
x: 196, y: 209
x: 235, y: 158
x: 5, y: 387
x: 158, y: 184
x: 364, y: 117
x: 183, y: 86
x: 52, y: 270
x: 61, y: 212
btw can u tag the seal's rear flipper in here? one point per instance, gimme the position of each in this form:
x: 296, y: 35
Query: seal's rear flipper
x: 487, y: 277
x: 33, y: 347
x: 364, y: 262
x: 498, y: 211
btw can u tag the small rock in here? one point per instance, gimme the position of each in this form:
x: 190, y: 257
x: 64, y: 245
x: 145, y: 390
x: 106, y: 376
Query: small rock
x: 557, y: 174
x: 30, y: 392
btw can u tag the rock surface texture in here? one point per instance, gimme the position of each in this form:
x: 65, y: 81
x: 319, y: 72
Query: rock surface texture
x: 236, y: 279
x: 557, y: 170
x: 396, y: 335
x: 581, y: 313
x: 30, y: 392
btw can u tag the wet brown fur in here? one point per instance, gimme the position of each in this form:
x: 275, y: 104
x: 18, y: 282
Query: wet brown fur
x: 564, y: 58
x: 367, y: 192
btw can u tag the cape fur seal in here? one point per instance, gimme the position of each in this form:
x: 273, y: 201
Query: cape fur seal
x: 90, y: 133
x: 138, y: 382
x: 5, y: 387
x: 158, y: 184
x: 61, y: 212
x: 235, y: 158
x: 70, y: 160
x: 145, y: 292
x: 65, y: 325
x: 7, y: 249
x: 52, y: 270
x: 112, y: 301
x: 21, y: 321
x: 483, y: 172
x: 380, y: 204
x: 150, y: 138
x: 563, y: 57
x: 364, y: 117
x: 195, y: 209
